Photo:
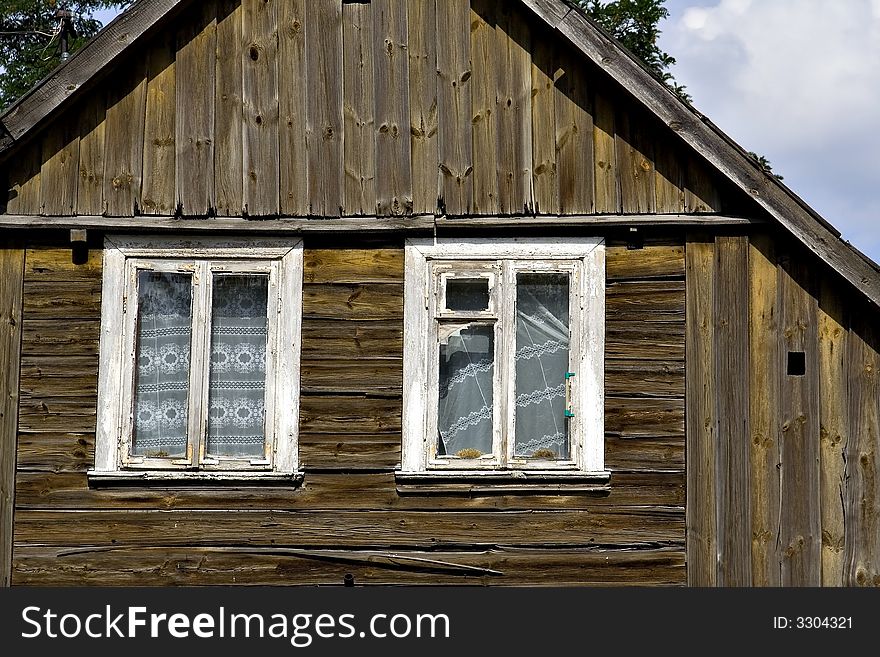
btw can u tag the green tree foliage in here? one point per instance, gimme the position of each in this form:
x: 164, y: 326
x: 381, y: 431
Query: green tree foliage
x: 29, y: 43
x: 635, y: 23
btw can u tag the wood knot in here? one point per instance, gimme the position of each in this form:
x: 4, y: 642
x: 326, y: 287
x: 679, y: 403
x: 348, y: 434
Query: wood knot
x: 328, y: 133
x: 254, y: 53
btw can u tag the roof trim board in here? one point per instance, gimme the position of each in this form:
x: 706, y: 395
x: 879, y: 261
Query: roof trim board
x: 87, y: 66
x: 84, y: 68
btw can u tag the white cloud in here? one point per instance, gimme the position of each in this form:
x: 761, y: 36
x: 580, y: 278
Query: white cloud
x: 797, y: 81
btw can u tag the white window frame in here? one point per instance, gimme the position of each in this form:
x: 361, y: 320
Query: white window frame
x: 585, y: 259
x: 124, y: 256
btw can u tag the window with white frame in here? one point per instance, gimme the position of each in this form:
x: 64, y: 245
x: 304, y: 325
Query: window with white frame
x: 199, y: 358
x: 503, y: 356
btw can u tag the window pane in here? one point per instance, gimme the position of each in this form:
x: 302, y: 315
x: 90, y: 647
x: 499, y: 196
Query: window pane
x: 467, y: 368
x: 238, y: 366
x: 164, y: 331
x: 467, y: 294
x: 542, y: 360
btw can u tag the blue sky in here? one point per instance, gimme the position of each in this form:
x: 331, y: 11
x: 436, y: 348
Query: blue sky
x: 797, y: 81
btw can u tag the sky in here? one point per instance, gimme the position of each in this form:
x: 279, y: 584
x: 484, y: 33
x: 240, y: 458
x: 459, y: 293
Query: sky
x: 797, y: 81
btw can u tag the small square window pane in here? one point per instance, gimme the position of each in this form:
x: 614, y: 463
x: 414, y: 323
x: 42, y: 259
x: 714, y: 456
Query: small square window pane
x: 542, y: 360
x: 467, y: 294
x: 237, y: 386
x: 467, y: 370
x: 164, y: 333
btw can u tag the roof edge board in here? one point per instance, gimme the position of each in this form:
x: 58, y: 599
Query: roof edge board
x: 722, y: 153
x: 83, y: 67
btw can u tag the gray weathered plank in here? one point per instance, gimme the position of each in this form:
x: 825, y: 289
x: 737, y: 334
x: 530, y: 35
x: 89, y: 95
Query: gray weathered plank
x: 422, y: 19
x: 325, y: 119
x: 124, y: 143
x: 261, y: 193
x: 574, y: 139
x: 765, y: 380
x: 607, y: 184
x: 455, y: 107
x: 733, y: 446
x: 394, y: 187
x: 485, y: 54
x: 228, y: 111
x: 635, y: 163
x: 90, y: 193
x: 11, y: 276
x: 862, y: 519
x: 360, y: 104
x: 293, y: 94
x: 59, y: 175
x: 701, y: 418
x: 545, y: 181
x: 160, y: 134
x: 514, y: 109
x: 800, y: 537
x: 834, y: 433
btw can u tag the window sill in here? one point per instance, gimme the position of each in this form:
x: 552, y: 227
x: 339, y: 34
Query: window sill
x: 464, y: 482
x: 176, y: 477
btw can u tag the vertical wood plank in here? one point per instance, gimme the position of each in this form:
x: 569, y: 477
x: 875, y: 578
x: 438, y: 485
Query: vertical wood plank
x: 701, y: 195
x: 422, y: 20
x: 700, y: 410
x: 160, y: 128
x: 261, y: 193
x: 228, y: 111
x: 196, y: 74
x: 360, y: 103
x: 325, y: 120
x: 800, y: 532
x: 90, y: 193
x: 455, y: 107
x: 24, y: 181
x: 485, y: 90
x: 635, y: 155
x: 124, y: 142
x: 514, y: 108
x: 668, y: 178
x: 862, y: 551
x: 764, y: 383
x: 545, y: 180
x: 11, y: 277
x: 293, y: 93
x: 833, y: 428
x: 607, y: 198
x: 59, y: 174
x: 394, y: 186
x: 733, y: 444
x: 575, y: 136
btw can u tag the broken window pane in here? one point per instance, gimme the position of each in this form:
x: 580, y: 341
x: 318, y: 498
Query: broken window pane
x: 467, y: 294
x: 465, y: 408
x: 542, y: 360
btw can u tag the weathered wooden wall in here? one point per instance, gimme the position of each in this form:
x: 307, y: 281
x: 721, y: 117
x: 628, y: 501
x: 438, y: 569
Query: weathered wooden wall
x: 325, y: 108
x: 349, y: 516
x: 11, y: 275
x: 782, y: 466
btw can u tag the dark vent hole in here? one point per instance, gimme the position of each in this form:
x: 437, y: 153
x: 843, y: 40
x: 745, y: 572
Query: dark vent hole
x: 797, y: 363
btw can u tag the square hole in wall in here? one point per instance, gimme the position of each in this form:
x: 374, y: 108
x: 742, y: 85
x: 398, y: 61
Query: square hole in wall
x: 797, y: 363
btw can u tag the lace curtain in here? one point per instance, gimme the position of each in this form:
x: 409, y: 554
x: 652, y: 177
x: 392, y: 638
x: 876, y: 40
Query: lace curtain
x: 467, y: 370
x: 237, y: 379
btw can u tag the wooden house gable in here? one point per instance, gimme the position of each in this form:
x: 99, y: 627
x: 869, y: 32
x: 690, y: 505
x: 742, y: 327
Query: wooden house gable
x: 385, y: 108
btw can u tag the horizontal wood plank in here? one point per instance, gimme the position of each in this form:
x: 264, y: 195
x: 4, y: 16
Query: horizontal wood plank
x: 608, y: 526
x: 164, y: 566
x: 45, y: 489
